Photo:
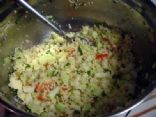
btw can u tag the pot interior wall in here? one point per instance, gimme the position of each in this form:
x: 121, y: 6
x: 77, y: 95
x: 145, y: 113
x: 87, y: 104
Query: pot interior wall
x: 21, y: 26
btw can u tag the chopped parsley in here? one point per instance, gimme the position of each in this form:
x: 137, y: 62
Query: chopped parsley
x: 80, y: 50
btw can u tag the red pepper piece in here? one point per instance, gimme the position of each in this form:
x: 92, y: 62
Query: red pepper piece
x: 101, y: 56
x: 40, y: 98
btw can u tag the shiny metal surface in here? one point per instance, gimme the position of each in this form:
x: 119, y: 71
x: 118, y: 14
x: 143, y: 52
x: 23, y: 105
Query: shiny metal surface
x: 107, y: 12
x: 28, y: 7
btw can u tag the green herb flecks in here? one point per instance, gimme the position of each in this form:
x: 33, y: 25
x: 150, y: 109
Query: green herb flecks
x: 67, y: 64
x: 80, y: 50
x: 27, y: 66
x: 51, y: 73
x: 89, y: 73
x: 48, y: 52
x: 50, y: 17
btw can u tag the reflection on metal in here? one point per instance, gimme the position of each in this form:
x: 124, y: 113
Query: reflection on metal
x: 154, y: 1
x: 104, y: 12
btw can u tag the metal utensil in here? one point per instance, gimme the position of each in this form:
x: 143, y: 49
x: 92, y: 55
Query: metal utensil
x: 52, y: 25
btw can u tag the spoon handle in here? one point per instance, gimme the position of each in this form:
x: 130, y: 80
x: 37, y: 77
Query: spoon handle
x: 41, y: 17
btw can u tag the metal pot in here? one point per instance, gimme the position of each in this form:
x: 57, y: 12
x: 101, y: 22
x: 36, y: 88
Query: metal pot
x: 131, y: 16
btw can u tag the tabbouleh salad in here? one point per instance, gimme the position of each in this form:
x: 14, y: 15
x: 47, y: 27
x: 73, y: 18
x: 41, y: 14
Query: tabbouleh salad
x: 57, y: 78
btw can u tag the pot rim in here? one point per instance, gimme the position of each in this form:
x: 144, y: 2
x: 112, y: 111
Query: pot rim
x: 126, y: 110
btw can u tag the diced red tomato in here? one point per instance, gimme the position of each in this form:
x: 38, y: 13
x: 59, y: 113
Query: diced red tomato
x: 101, y: 56
x: 70, y: 51
x: 46, y: 86
x: 40, y: 98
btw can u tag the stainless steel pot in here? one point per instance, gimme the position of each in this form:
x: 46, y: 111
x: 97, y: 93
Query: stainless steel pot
x: 131, y: 16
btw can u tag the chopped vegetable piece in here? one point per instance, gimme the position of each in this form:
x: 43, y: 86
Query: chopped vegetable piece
x: 80, y: 50
x: 101, y: 56
x: 46, y: 86
x: 40, y: 98
x: 60, y: 107
x: 27, y: 66
x: 50, y: 17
